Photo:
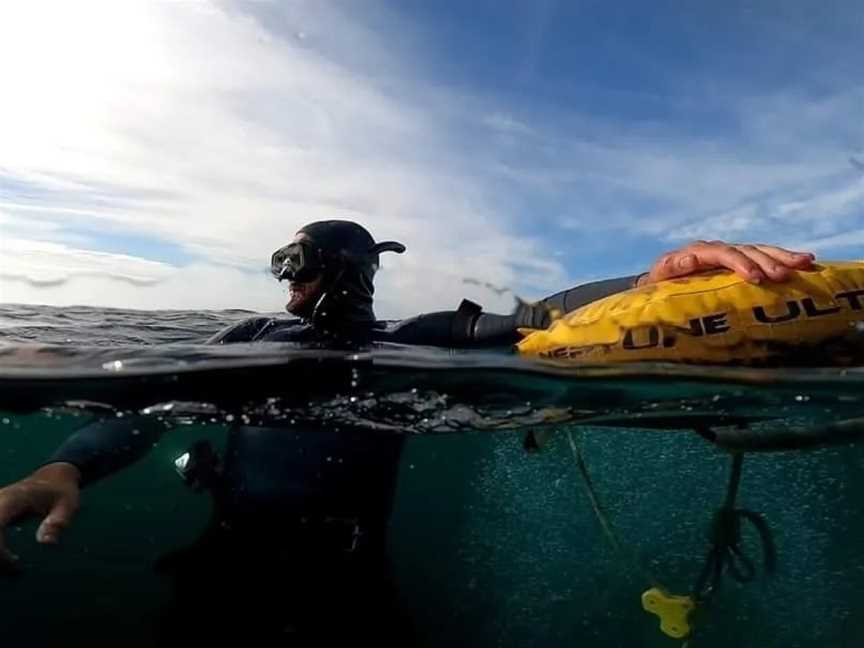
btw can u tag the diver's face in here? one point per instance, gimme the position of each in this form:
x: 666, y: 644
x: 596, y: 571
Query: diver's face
x: 302, y: 296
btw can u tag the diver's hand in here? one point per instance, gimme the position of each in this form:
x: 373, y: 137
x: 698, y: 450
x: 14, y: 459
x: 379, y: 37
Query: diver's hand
x: 755, y: 263
x: 52, y: 492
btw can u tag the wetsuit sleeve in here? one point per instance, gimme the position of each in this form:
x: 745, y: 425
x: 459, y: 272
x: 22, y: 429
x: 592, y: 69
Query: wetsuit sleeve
x: 443, y: 328
x: 573, y: 298
x: 104, y: 447
x: 493, y: 330
x: 245, y: 331
x: 469, y: 327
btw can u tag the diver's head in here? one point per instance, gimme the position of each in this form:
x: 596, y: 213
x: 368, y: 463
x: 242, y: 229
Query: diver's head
x: 330, y: 267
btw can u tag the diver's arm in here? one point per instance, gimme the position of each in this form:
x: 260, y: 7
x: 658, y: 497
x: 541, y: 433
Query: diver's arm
x: 442, y: 328
x: 246, y: 331
x: 52, y: 491
x: 569, y: 300
x: 490, y: 329
x: 107, y: 446
x: 469, y: 326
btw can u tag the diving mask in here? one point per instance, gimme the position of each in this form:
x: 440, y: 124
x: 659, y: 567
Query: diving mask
x: 298, y: 261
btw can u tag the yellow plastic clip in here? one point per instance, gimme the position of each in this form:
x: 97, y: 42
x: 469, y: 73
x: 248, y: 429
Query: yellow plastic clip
x: 673, y: 611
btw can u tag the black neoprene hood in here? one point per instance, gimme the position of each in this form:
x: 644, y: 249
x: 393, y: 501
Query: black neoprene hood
x: 351, y: 259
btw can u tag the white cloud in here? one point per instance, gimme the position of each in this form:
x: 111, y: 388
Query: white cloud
x: 669, y: 186
x: 52, y: 262
x: 736, y: 163
x: 846, y: 240
x: 196, y: 287
x: 197, y: 125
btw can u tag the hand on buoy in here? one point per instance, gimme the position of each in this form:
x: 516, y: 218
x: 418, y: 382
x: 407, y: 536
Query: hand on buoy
x: 755, y: 263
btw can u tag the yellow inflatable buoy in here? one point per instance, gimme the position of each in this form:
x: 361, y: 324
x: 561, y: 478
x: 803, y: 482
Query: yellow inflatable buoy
x: 714, y: 317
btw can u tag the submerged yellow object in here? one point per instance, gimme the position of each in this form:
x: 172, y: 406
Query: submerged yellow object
x: 714, y: 317
x: 674, y: 611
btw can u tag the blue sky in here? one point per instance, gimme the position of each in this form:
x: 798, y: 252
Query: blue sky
x: 528, y: 144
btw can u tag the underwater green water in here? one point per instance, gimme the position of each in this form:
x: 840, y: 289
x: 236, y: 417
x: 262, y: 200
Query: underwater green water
x: 493, y: 545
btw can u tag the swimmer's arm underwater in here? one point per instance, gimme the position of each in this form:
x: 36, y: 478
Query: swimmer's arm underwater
x: 108, y: 445
x: 52, y: 492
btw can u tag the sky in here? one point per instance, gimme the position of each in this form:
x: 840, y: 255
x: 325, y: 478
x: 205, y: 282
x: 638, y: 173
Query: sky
x: 154, y: 154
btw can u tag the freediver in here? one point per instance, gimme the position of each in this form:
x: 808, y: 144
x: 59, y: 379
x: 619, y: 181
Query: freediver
x: 296, y: 550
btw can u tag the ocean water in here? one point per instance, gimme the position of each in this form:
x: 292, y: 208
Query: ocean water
x: 498, y: 537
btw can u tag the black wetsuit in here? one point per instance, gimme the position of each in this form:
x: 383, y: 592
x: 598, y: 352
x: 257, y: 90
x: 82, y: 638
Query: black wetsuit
x: 296, y: 550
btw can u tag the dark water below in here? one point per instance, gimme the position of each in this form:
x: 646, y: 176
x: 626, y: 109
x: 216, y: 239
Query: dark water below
x: 493, y: 536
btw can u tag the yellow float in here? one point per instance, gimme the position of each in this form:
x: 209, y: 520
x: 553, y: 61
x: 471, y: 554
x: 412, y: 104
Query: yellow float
x: 714, y: 317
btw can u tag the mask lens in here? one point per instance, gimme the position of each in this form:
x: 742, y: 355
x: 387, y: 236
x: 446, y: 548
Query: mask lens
x: 294, y: 262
